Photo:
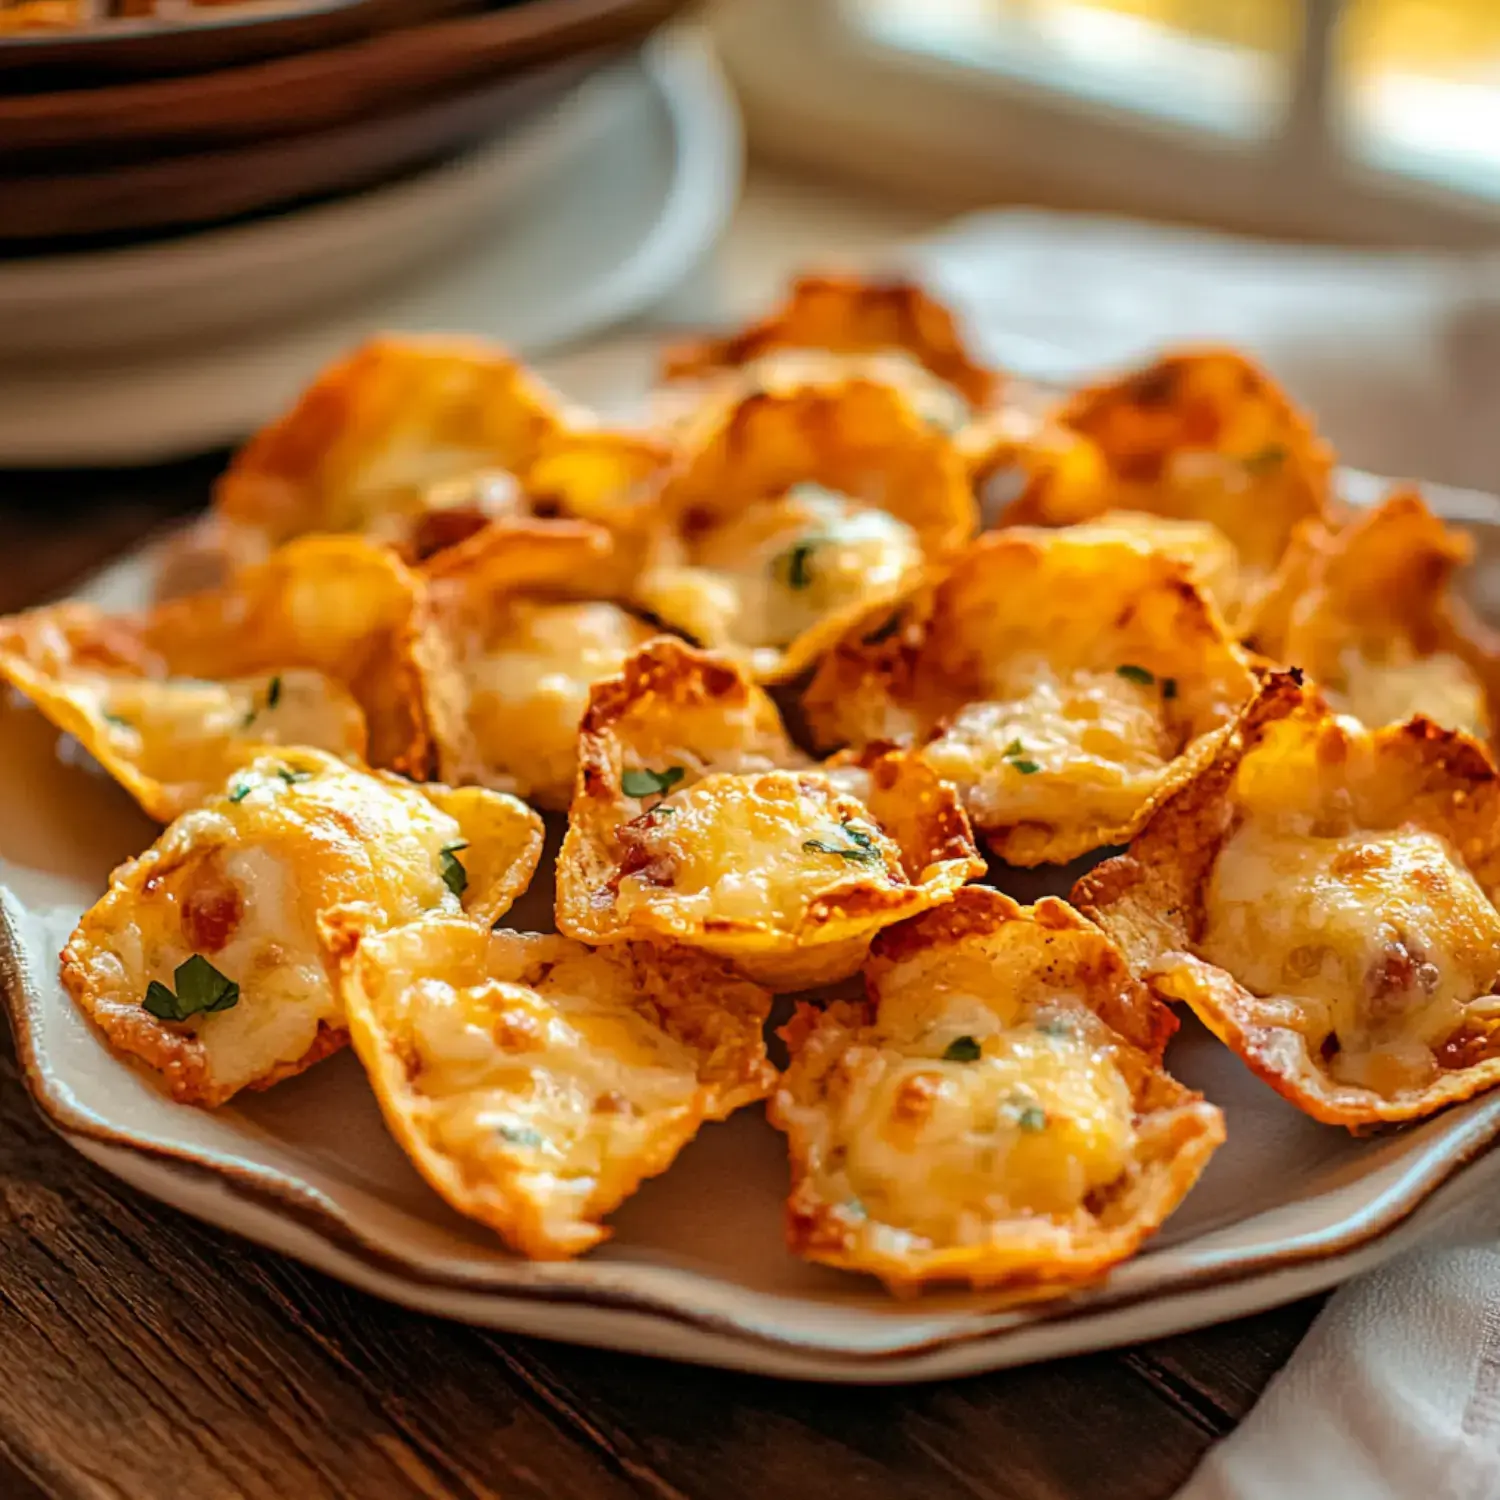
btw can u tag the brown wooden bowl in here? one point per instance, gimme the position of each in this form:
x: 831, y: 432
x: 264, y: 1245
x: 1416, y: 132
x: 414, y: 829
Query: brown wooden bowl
x: 178, y: 192
x: 88, y: 130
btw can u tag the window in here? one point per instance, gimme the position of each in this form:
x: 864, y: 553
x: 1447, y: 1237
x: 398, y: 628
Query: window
x: 1368, y: 120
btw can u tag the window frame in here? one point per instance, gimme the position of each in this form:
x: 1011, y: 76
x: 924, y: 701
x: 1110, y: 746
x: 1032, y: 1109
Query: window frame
x: 969, y: 135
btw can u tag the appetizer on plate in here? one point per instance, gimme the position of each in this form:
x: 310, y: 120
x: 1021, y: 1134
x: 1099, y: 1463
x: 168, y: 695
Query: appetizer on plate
x: 1323, y: 897
x: 369, y: 446
x: 1198, y: 436
x: 536, y: 1082
x: 1061, y: 684
x: 325, y: 644
x: 993, y: 1112
x: 794, y: 511
x: 1367, y: 610
x: 696, y: 821
x: 831, y: 327
x: 203, y: 958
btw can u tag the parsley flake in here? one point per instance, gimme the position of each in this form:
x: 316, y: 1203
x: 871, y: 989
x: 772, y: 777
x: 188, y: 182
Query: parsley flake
x: 455, y: 877
x: 962, y: 1049
x: 1014, y: 748
x: 201, y: 990
x: 1032, y: 1118
x: 1136, y: 674
x: 520, y: 1135
x: 292, y: 777
x: 860, y: 850
x: 651, y: 783
x: 119, y: 722
x: 240, y: 792
x: 1026, y: 767
x: 273, y: 693
x: 794, y: 565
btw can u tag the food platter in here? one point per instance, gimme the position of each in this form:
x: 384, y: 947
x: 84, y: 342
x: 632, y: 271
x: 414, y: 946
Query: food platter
x: 697, y: 1268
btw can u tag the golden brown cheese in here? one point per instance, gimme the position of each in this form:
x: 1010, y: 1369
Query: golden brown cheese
x: 1368, y: 610
x: 240, y: 882
x: 365, y: 445
x: 536, y: 1082
x: 694, y: 819
x: 793, y: 509
x: 1061, y: 682
x: 994, y: 1112
x: 1323, y: 897
x: 1202, y: 435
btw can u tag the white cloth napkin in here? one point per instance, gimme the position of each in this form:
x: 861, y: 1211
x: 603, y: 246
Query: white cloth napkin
x: 1395, y: 1392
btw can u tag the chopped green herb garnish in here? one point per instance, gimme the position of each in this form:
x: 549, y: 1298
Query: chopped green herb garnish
x: 1169, y: 688
x: 201, y: 990
x: 115, y: 719
x: 292, y: 777
x: 273, y: 693
x: 1026, y: 767
x: 240, y: 792
x: 651, y: 783
x: 795, y: 564
x: 520, y: 1135
x: 1013, y: 749
x: 962, y: 1049
x: 1032, y: 1118
x: 455, y: 877
x: 1136, y: 674
x: 1263, y: 460
x: 860, y: 850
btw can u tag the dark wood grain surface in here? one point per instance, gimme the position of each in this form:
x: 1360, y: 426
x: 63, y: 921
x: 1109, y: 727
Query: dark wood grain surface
x: 144, y: 1355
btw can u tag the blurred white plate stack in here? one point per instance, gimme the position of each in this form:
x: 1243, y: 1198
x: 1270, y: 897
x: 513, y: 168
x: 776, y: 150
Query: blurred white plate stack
x: 578, y: 221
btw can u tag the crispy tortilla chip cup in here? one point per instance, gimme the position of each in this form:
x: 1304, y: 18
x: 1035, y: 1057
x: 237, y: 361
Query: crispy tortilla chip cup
x: 1061, y: 684
x: 374, y: 432
x: 238, y: 885
x: 995, y: 1112
x: 524, y: 640
x: 796, y: 510
x: 536, y: 1082
x: 1201, y: 435
x: 1368, y: 611
x: 847, y: 315
x: 1322, y: 896
x: 695, y: 821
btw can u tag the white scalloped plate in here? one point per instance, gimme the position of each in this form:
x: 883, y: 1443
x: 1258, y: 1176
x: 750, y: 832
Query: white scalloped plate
x: 696, y: 1270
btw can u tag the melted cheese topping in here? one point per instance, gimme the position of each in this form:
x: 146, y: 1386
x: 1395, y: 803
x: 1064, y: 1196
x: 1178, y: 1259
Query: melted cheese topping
x: 184, y: 730
x: 1058, y: 748
x: 529, y: 686
x: 564, y: 1083
x: 1440, y: 686
x: 940, y: 1150
x: 1377, y: 940
x: 241, y: 881
x: 777, y: 568
x: 736, y: 847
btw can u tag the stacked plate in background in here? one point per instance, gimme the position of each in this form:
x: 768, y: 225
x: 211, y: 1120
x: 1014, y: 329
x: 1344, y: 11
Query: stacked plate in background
x: 185, y: 237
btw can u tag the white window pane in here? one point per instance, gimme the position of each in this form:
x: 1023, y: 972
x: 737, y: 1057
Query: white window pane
x: 1218, y: 65
x: 1420, y: 88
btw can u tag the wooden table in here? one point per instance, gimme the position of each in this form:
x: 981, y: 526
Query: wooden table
x: 143, y: 1355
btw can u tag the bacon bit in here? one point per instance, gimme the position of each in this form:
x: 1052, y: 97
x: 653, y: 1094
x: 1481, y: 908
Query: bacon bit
x: 915, y: 1098
x: 612, y: 1102
x: 1467, y: 1048
x: 518, y: 1030
x: 1401, y: 972
x: 211, y: 908
x: 654, y: 866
